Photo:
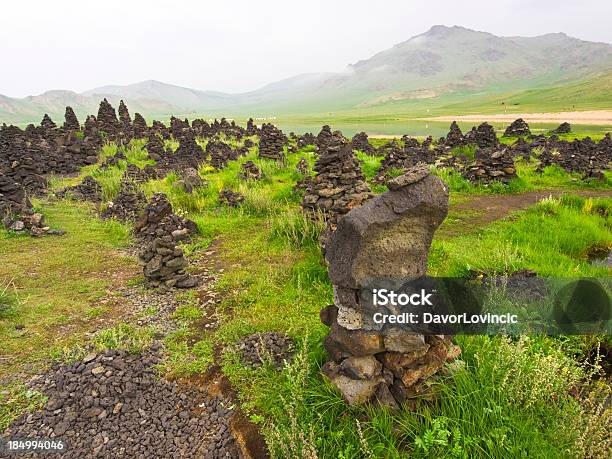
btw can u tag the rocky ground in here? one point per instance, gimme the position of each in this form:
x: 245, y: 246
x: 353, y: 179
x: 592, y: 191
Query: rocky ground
x: 113, y: 404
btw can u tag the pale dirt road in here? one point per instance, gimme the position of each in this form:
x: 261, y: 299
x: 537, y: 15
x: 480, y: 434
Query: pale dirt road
x: 596, y: 117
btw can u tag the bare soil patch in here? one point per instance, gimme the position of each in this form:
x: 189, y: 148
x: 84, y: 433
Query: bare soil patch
x: 597, y: 117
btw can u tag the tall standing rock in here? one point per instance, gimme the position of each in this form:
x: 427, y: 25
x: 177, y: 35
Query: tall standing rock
x: 124, y: 117
x: 454, y: 138
x: 517, y: 128
x: 107, y: 118
x: 271, y: 142
x: 140, y: 126
x: 47, y: 123
x: 71, y: 122
x: 386, y: 238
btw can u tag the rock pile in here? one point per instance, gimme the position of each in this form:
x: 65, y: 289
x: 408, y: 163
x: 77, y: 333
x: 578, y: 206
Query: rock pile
x: 158, y: 220
x: 220, y: 153
x: 251, y: 129
x: 107, y: 119
x: 140, y: 128
x: 483, y: 136
x: 339, y: 184
x: 386, y: 238
x: 47, y: 123
x: 360, y: 142
x: 88, y: 190
x: 16, y: 212
x: 271, y: 142
x: 230, y: 198
x: 155, y: 147
x: 164, y: 263
x: 454, y: 138
x: 71, y: 122
x: 323, y: 137
x: 306, y: 139
x: 124, y: 118
x: 250, y: 171
x: 564, y: 128
x: 113, y: 404
x: 259, y: 348
x: 518, y: 128
x: 491, y: 166
x: 127, y: 205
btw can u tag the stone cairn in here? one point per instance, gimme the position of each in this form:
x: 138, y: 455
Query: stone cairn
x: 155, y: 147
x: 88, y: 190
x: 163, y: 262
x: 483, y: 136
x: 454, y: 138
x: 231, y: 198
x: 323, y: 137
x: 47, y: 123
x: 220, y: 154
x: 158, y: 220
x: 250, y: 171
x: 386, y: 238
x: 488, y: 167
x: 107, y: 118
x: 360, y: 142
x: 124, y: 117
x: 16, y: 212
x: 271, y: 142
x: 339, y: 184
x: 140, y: 128
x: 518, y: 128
x: 306, y: 139
x: 251, y: 129
x: 564, y: 128
x: 71, y: 122
x: 127, y: 205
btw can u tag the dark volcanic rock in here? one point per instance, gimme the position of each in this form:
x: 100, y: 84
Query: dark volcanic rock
x: 71, y: 122
x: 158, y: 220
x: 518, y: 128
x: 271, y: 142
x: 107, y: 118
x: 230, y: 198
x: 259, y: 348
x: 564, y: 128
x: 454, y: 138
x: 483, y: 136
x: 250, y: 171
x: 88, y: 190
x: 124, y: 117
x: 491, y: 166
x: 140, y: 128
x: 360, y: 142
x: 114, y: 405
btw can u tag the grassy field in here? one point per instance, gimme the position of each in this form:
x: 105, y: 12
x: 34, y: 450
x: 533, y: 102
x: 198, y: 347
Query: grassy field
x: 508, y: 397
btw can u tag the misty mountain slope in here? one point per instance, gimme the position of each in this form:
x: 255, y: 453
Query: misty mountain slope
x: 441, y: 64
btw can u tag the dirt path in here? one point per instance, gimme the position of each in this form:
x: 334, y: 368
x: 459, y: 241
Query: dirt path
x: 598, y: 117
x: 479, y: 210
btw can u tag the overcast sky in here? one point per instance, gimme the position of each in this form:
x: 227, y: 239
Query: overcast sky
x: 240, y: 45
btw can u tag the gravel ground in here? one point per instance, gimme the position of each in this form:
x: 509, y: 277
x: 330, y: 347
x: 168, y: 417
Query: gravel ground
x: 114, y: 405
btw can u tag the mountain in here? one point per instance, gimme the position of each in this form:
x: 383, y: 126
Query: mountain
x: 441, y: 65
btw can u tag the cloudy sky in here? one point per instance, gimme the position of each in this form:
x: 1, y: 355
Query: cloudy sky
x: 240, y: 45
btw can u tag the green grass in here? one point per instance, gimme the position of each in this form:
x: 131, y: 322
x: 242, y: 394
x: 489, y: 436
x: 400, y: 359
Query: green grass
x: 553, y: 238
x: 57, y: 279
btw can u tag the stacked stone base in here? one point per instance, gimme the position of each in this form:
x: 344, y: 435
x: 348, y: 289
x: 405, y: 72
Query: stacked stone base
x: 164, y: 264
x: 389, y: 369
